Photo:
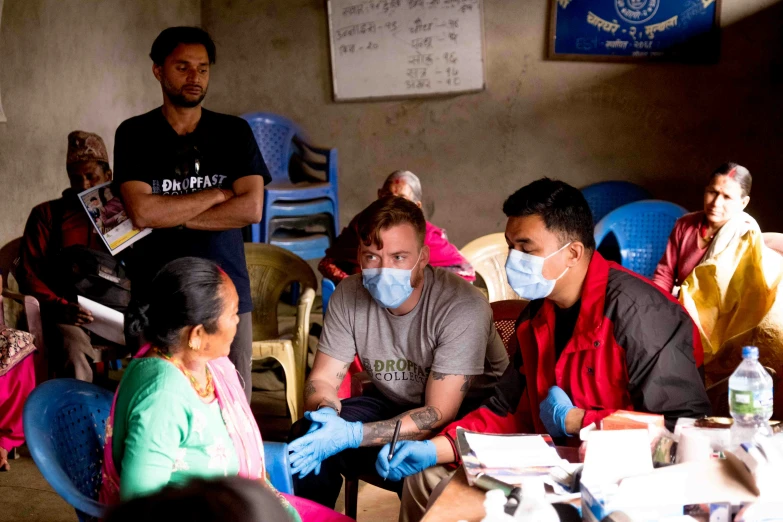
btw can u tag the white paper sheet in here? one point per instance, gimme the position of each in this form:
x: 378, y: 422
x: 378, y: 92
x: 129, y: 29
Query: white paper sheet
x: 616, y: 454
x: 512, y: 451
x: 108, y: 323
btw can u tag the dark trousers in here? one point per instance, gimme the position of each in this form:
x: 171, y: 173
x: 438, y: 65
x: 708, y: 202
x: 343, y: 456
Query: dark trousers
x: 242, y: 351
x: 324, y: 488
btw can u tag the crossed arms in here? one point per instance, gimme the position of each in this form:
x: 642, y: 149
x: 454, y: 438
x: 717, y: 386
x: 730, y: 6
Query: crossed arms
x: 210, y: 209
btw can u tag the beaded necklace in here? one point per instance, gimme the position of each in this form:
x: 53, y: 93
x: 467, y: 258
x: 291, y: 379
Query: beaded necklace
x: 208, y: 390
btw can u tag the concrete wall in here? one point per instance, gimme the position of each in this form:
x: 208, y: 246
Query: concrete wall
x: 66, y: 65
x: 664, y: 126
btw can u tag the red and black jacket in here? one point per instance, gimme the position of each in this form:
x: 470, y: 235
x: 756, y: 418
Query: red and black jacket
x: 633, y: 348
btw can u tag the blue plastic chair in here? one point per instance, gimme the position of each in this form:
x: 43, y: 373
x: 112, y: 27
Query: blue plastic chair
x: 327, y: 289
x: 306, y: 246
x: 642, y: 230
x: 280, y: 141
x: 606, y: 196
x: 64, y: 424
x: 277, y: 466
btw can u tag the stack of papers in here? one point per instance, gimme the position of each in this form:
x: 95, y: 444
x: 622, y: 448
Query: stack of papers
x: 512, y: 451
x: 511, y: 458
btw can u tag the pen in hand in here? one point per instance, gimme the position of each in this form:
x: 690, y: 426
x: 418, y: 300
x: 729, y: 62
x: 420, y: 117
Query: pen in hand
x: 394, y: 440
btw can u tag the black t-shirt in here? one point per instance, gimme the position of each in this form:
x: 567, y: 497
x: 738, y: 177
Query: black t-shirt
x: 565, y: 321
x: 221, y: 150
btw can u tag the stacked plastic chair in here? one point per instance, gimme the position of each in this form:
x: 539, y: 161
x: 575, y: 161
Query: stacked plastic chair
x: 606, y: 196
x: 642, y: 230
x: 294, y: 208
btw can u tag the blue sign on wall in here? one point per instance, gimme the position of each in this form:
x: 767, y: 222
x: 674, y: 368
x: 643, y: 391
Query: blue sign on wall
x: 672, y: 30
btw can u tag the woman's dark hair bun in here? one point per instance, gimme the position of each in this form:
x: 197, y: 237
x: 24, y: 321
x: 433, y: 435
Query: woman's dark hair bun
x: 136, y: 320
x: 185, y: 292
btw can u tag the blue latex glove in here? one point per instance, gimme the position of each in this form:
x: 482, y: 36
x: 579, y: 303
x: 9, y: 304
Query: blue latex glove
x: 332, y: 436
x: 314, y: 426
x: 410, y: 457
x: 553, y: 411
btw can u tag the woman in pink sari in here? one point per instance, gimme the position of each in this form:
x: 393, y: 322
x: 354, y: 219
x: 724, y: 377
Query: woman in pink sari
x: 180, y: 412
x: 17, y: 380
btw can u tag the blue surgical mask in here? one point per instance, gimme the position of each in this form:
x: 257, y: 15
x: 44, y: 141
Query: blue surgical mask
x: 390, y: 287
x: 525, y: 274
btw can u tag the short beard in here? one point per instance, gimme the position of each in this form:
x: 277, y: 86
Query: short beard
x: 179, y: 99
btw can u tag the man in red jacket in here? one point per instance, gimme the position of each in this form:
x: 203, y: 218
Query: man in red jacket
x: 595, y: 338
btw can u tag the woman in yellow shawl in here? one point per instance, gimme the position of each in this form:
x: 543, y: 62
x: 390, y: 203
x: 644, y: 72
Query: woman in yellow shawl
x: 733, y: 292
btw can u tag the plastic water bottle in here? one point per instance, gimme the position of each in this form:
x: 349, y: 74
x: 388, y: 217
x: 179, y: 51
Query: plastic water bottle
x: 750, y: 398
x: 534, y: 506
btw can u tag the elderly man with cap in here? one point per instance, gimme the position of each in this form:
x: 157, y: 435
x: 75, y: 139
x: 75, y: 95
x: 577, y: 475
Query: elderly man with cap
x: 52, y: 228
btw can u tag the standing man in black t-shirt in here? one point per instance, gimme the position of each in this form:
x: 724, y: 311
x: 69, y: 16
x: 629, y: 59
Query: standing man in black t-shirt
x: 194, y: 175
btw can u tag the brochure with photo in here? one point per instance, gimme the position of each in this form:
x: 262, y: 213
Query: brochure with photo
x: 108, y: 216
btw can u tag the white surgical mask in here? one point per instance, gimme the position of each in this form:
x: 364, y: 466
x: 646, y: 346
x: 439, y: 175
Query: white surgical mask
x: 525, y: 274
x: 390, y: 287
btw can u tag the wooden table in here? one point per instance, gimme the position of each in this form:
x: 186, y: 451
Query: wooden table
x: 459, y: 501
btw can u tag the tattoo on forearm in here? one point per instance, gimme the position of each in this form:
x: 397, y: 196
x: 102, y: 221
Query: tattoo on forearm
x: 426, y: 418
x: 342, y: 373
x: 309, y: 390
x: 437, y: 376
x: 381, y: 432
x: 466, y: 384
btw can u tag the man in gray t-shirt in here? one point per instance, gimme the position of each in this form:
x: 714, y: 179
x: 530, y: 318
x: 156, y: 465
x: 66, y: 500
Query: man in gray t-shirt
x: 450, y: 331
x: 426, y: 337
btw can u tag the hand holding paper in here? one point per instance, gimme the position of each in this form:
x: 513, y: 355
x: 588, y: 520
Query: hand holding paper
x: 72, y: 313
x: 104, y: 321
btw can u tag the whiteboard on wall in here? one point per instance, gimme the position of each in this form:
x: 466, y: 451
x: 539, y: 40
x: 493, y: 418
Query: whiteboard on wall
x: 402, y: 48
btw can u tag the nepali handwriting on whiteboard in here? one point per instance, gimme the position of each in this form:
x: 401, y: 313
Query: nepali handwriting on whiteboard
x: 388, y: 48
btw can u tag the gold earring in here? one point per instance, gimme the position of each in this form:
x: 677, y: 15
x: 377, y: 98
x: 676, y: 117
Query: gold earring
x: 194, y: 346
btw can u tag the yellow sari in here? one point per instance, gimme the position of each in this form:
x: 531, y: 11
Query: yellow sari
x: 735, y: 297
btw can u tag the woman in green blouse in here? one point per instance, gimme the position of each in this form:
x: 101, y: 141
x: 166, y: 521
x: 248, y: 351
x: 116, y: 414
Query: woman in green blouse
x: 180, y: 411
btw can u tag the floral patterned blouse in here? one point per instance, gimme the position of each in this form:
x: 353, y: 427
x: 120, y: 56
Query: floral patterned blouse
x: 164, y: 433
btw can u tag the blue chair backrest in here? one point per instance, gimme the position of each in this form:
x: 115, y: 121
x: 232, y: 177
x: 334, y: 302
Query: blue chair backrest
x: 642, y: 230
x: 606, y: 196
x: 327, y: 289
x: 274, y: 135
x: 65, y: 424
x: 277, y: 466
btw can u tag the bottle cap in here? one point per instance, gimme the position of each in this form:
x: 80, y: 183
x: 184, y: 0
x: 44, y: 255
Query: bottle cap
x: 750, y: 352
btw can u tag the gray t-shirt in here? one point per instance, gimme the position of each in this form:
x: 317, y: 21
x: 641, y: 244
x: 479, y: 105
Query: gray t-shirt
x: 449, y: 331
